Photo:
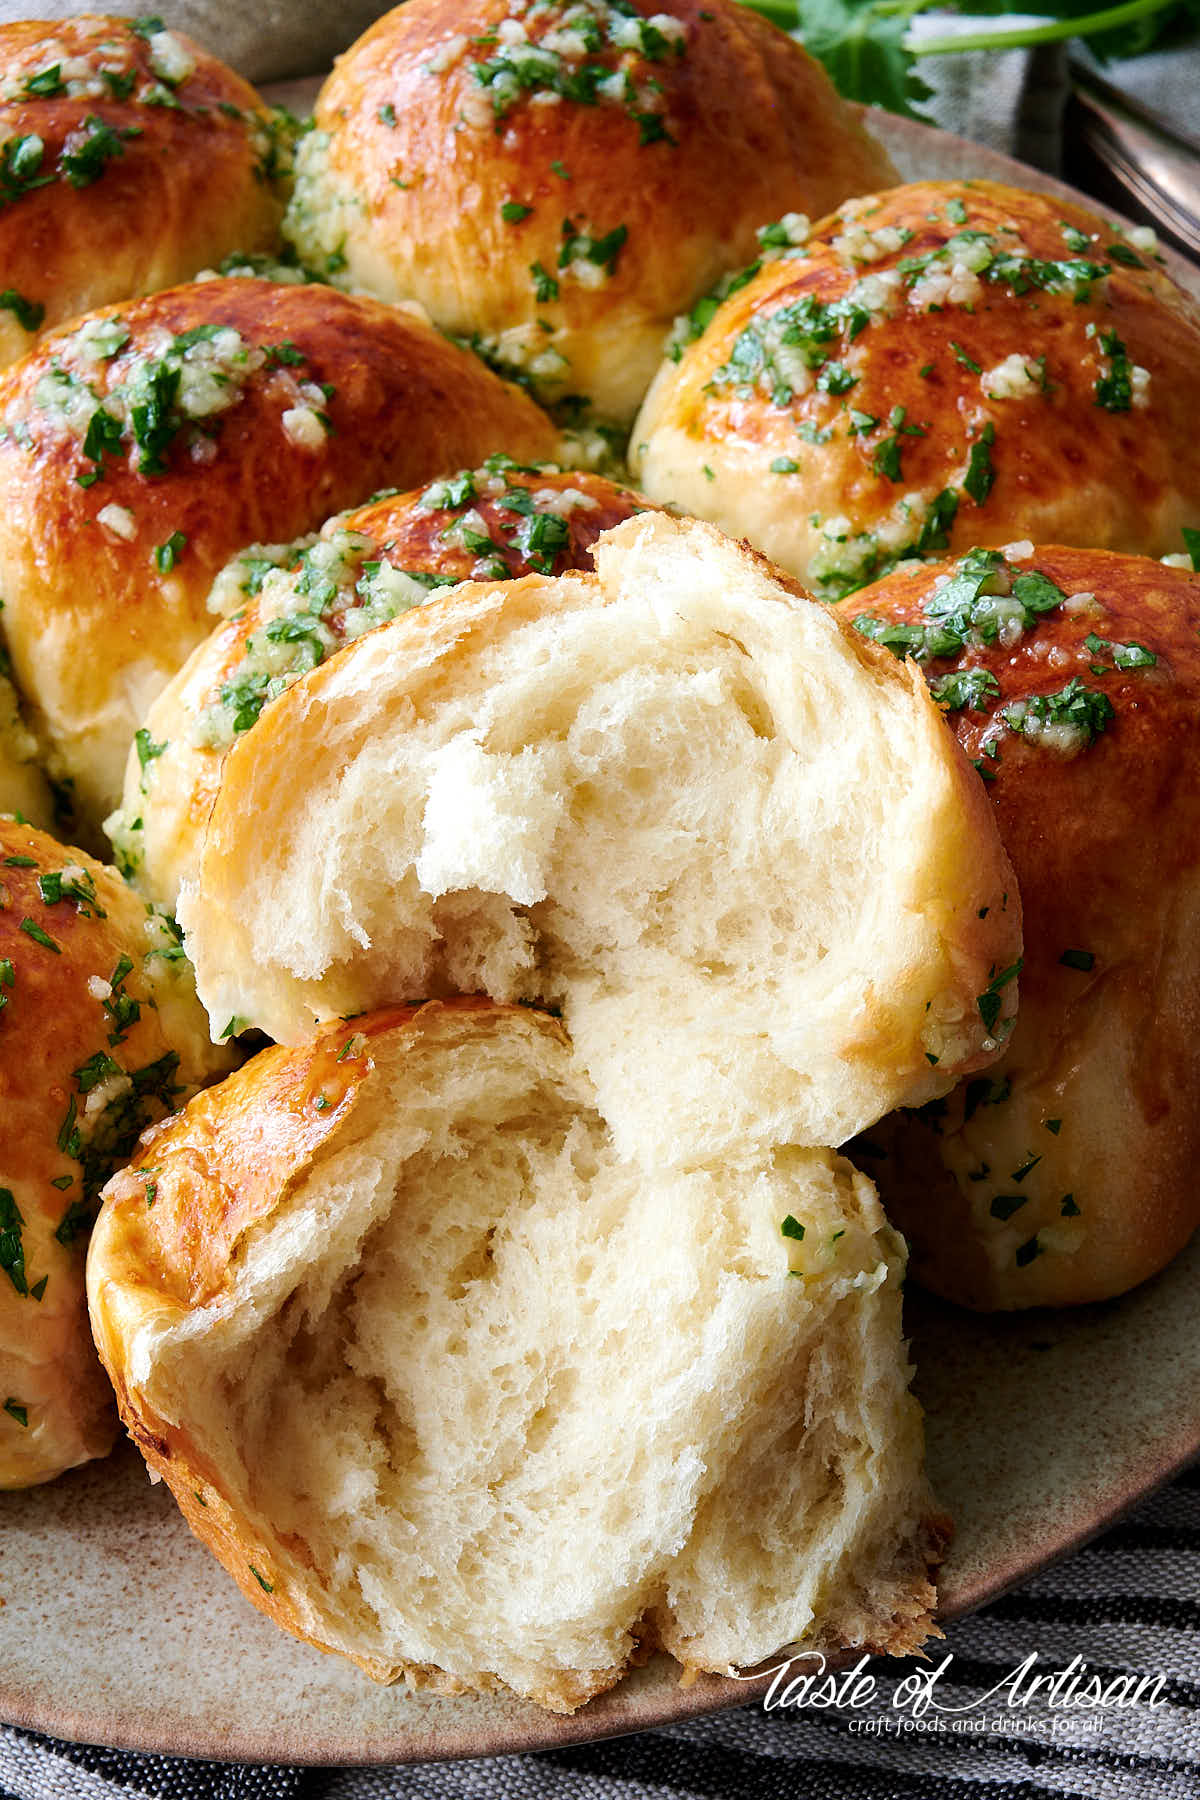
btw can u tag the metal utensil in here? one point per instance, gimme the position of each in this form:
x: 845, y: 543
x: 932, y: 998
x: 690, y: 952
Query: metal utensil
x: 1116, y: 148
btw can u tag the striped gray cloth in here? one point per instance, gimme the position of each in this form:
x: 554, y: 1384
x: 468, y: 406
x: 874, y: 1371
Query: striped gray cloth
x: 1128, y: 1604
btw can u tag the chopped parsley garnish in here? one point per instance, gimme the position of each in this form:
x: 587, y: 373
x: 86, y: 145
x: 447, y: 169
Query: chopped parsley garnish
x: 982, y: 597
x: 960, y: 356
x: 989, y: 1001
x: 262, y: 1581
x: 78, y: 885
x: 545, y: 288
x: 386, y: 114
x: 1084, y: 960
x: 539, y: 539
x: 784, y: 465
x: 32, y: 929
x: 1121, y: 253
x: 581, y: 246
x: 1027, y: 1251
x: 1053, y: 1126
x: 1029, y: 1164
x: 46, y: 83
x: 21, y: 166
x: 1125, y: 656
x: 147, y: 751
x: 28, y: 313
x: 88, y: 161
x: 122, y: 1009
x: 513, y: 211
x: 168, y: 554
x: 791, y: 1228
x: 75, y: 1221
x: 1084, y: 712
x: 1003, y: 1206
x: 980, y: 475
x: 1114, y: 390
x: 234, y: 1027
x: 1191, y: 543
x: 96, y: 1069
x: 1068, y: 1209
x: 12, y: 1250
x: 962, y: 688
x: 17, y: 1410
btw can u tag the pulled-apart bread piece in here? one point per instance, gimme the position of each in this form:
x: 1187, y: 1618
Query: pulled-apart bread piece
x: 453, y: 1389
x: 132, y: 159
x: 1068, y: 1172
x: 942, y: 365
x: 732, y: 840
x: 555, y: 181
x: 492, y: 523
x: 100, y: 1034
x: 146, y: 445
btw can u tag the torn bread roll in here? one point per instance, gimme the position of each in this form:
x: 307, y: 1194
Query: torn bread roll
x: 945, y: 364
x: 403, y: 1331
x: 147, y: 444
x: 100, y: 1034
x: 554, y: 182
x: 496, y: 522
x: 674, y: 798
x: 1072, y: 678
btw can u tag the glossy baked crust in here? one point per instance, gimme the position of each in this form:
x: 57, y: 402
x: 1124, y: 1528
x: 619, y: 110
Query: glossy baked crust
x: 1068, y: 1173
x: 100, y: 1034
x: 263, y: 1215
x: 498, y: 522
x: 140, y: 181
x: 875, y: 396
x: 724, y: 124
x: 251, y: 412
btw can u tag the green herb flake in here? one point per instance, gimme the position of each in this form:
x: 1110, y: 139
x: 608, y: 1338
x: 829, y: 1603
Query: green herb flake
x: 1068, y: 1209
x: 980, y: 475
x: 147, y: 752
x: 545, y: 287
x: 262, y: 1581
x: 28, y: 313
x: 989, y: 1001
x: 16, y: 1410
x: 1031, y: 1162
x: 32, y: 929
x: 1027, y: 1251
x: 1053, y: 1126
x: 167, y: 555
x: 960, y: 356
x: 386, y: 114
x: 12, y: 1250
x: 513, y: 211
x: 792, y: 1228
x: 1084, y: 960
x: 784, y: 465
x: 1003, y: 1206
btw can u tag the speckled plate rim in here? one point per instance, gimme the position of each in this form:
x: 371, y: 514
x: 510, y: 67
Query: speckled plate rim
x: 653, y: 1696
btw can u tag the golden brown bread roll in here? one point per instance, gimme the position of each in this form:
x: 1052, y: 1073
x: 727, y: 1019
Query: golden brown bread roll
x: 557, y: 182
x: 942, y: 365
x: 146, y: 445
x: 674, y: 798
x: 100, y: 1033
x: 131, y: 159
x: 1072, y: 677
x: 24, y: 789
x: 403, y: 1331
x: 501, y: 520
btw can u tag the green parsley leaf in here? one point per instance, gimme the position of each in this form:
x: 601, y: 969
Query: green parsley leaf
x: 168, y: 554
x: 28, y: 313
x: 1083, y: 960
x: 16, y: 1410
x: 32, y: 929
x: 792, y: 1228
x: 513, y: 211
x: 980, y: 475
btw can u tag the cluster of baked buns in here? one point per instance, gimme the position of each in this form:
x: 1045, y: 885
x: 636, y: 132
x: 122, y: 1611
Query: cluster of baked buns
x: 620, y: 909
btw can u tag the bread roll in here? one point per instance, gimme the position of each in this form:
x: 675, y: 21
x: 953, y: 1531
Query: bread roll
x: 556, y: 182
x: 732, y: 840
x: 494, y: 522
x: 406, y: 1334
x: 100, y: 1033
x: 24, y: 789
x: 943, y: 365
x: 132, y: 159
x: 147, y: 445
x: 1072, y: 677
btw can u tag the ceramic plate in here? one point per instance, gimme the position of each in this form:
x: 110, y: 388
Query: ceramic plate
x: 117, y: 1628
